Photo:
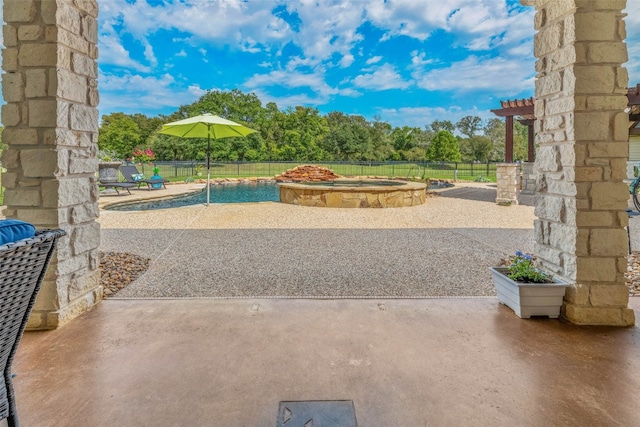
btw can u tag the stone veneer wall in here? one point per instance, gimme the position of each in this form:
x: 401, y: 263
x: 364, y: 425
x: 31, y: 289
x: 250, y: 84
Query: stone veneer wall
x: 528, y: 179
x: 582, y: 134
x: 51, y: 124
x: 508, y: 183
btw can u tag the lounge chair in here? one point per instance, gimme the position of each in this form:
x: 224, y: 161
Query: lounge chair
x: 117, y: 185
x: 23, y: 264
x: 131, y: 175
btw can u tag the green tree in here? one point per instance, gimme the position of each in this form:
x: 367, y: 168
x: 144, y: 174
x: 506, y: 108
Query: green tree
x: 469, y: 125
x: 304, y: 133
x: 349, y: 137
x: 444, y: 148
x: 476, y: 148
x: 495, y: 131
x: 147, y: 126
x: 119, y: 133
x: 438, y: 125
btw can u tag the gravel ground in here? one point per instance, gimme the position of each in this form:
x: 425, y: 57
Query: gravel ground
x: 120, y: 269
x: 442, y: 248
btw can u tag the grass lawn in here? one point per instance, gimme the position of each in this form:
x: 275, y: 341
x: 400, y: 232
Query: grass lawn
x: 465, y: 171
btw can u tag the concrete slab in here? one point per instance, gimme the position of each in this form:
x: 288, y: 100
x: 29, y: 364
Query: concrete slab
x: 229, y: 363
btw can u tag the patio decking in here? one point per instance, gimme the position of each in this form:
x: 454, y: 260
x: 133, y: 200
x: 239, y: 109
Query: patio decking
x: 438, y: 362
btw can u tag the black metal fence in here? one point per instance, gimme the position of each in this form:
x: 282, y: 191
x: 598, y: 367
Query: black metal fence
x: 439, y: 170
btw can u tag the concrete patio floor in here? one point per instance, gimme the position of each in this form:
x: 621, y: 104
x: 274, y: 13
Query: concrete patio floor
x: 436, y: 362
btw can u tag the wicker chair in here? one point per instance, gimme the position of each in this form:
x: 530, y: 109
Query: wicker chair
x: 22, y: 267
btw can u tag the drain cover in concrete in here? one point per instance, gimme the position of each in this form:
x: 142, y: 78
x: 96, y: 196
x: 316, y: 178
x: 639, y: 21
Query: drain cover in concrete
x: 317, y: 413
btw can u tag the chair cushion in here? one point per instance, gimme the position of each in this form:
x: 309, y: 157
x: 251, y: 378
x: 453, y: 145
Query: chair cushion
x: 137, y: 176
x: 12, y: 230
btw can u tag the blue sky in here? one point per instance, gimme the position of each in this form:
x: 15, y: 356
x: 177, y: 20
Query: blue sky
x: 408, y: 62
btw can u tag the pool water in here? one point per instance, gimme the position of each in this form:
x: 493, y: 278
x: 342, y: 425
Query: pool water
x: 232, y: 193
x: 225, y: 193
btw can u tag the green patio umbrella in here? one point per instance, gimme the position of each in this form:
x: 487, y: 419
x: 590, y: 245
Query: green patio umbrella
x: 206, y: 126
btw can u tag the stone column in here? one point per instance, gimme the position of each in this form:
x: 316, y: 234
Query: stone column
x: 528, y: 179
x: 508, y: 183
x: 51, y: 125
x: 582, y: 132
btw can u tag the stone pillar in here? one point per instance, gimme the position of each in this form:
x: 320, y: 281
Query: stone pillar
x: 51, y: 127
x: 508, y: 180
x: 582, y: 133
x: 528, y: 179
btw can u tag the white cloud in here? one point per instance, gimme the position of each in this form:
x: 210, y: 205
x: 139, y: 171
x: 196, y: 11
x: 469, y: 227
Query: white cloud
x: 374, y: 60
x: 327, y: 27
x: 632, y: 22
x: 423, y: 116
x: 633, y: 14
x: 477, y: 24
x: 113, y: 52
x: 196, y: 90
x: 294, y: 80
x: 346, y: 61
x: 383, y: 78
x: 133, y: 92
x: 182, y: 53
x: 497, y: 75
x: 292, y: 100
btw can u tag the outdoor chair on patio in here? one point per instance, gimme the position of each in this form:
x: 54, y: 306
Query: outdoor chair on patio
x: 131, y: 175
x: 117, y: 186
x: 23, y: 263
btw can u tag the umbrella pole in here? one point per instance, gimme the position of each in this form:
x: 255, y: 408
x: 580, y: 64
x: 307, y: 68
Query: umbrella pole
x: 208, y: 166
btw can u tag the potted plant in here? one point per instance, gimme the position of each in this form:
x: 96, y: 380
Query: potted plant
x: 526, y: 289
x: 156, y: 176
x: 108, y: 165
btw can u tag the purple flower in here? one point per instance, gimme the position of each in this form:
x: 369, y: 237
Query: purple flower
x: 518, y: 253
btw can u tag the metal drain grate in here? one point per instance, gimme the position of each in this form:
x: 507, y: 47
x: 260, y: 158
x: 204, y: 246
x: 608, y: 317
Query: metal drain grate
x: 317, y: 413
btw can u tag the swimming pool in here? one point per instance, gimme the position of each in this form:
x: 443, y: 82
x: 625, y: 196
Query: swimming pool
x: 224, y: 193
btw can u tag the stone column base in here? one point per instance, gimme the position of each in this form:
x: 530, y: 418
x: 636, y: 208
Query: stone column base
x: 614, y: 316
x: 45, y: 320
x: 508, y: 183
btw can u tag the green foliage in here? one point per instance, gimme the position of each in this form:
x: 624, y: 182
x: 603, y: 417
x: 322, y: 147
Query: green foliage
x: 495, y: 131
x: 476, y: 148
x: 118, y: 133
x: 521, y: 268
x: 444, y: 148
x: 303, y: 134
x: 469, y: 125
x: 438, y: 125
x: 107, y: 155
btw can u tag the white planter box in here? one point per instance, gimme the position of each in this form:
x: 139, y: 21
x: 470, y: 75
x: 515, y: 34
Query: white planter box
x: 529, y: 299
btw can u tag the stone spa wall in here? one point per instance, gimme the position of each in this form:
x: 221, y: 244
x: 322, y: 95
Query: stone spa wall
x: 371, y: 196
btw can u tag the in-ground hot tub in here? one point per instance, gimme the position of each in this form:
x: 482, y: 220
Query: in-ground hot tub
x: 354, y: 193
